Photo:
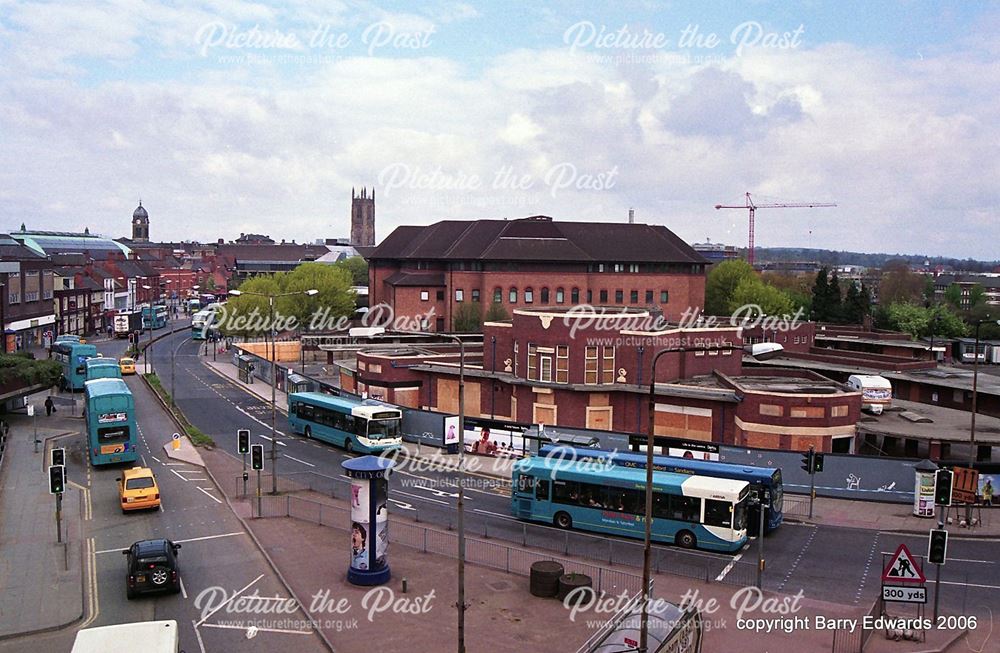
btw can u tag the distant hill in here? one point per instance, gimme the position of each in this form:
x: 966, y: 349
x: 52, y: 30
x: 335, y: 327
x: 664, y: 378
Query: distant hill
x: 832, y: 257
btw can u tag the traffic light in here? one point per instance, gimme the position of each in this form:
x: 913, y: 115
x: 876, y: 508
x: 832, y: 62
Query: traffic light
x: 937, y: 547
x: 257, y: 456
x: 807, y: 461
x: 818, y: 462
x: 57, y: 479
x: 131, y: 337
x: 58, y: 456
x: 942, y: 487
x: 243, y: 441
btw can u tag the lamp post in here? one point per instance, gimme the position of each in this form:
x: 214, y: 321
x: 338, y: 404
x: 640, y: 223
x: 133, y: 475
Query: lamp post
x: 461, y: 475
x: 149, y: 347
x: 647, y: 541
x: 274, y: 375
x: 975, y: 385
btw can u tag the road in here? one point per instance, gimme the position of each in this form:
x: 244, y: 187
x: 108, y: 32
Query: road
x: 826, y: 562
x: 217, y: 558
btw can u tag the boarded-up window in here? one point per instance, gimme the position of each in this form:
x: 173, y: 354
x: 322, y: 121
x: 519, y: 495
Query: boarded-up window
x: 590, y: 368
x: 839, y: 411
x: 608, y: 368
x: 562, y: 364
x: 809, y: 412
x: 773, y: 410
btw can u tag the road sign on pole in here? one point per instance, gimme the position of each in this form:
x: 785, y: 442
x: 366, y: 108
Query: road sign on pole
x: 903, y: 567
x: 176, y: 441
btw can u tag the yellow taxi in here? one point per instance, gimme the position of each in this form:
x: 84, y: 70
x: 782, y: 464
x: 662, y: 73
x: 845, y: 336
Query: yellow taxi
x: 137, y: 489
x: 127, y: 365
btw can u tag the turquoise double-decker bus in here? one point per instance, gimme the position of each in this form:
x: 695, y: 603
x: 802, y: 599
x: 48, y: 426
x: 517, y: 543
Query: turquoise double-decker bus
x: 73, y: 357
x: 103, y: 368
x: 154, y: 317
x: 345, y: 422
x: 110, y: 417
x: 765, y: 482
x: 690, y: 511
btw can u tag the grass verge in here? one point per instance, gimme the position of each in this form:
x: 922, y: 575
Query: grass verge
x: 197, y: 436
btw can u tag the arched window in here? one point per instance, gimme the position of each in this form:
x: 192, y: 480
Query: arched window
x: 529, y: 295
x: 497, y: 295
x: 574, y: 296
x: 513, y: 295
x: 545, y: 296
x: 560, y: 295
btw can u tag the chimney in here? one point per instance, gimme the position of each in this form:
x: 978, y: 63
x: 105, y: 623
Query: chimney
x: 631, y: 216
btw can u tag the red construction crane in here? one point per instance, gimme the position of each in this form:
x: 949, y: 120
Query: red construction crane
x: 753, y: 207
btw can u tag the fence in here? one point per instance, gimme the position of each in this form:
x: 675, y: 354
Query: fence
x: 4, y: 429
x: 289, y: 482
x: 854, y: 641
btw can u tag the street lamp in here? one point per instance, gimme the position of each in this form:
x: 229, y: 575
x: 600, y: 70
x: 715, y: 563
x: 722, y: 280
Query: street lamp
x: 461, y: 474
x: 149, y: 348
x: 274, y: 376
x: 975, y: 384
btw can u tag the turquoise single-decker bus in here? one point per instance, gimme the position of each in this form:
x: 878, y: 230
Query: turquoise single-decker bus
x: 690, y: 511
x: 154, y: 317
x: 73, y: 356
x: 345, y: 422
x: 103, y: 368
x: 203, y: 324
x: 110, y: 417
x: 766, y: 480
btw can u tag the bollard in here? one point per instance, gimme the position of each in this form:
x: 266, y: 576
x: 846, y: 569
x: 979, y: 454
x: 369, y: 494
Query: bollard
x: 404, y: 586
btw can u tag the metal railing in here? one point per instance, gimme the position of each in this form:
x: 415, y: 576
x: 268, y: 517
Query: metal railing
x: 4, y: 430
x: 289, y: 482
x: 854, y: 641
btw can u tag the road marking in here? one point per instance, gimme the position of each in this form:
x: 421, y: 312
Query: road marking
x: 732, y: 563
x: 989, y: 587
x: 402, y: 505
x: 183, y: 591
x: 868, y: 565
x: 420, y: 498
x: 227, y: 601
x: 203, y: 491
x: 143, y: 457
x: 155, y: 458
x: 93, y: 604
x: 297, y: 460
x: 179, y: 476
x: 193, y: 539
x: 261, y: 630
x: 264, y: 436
x: 495, y: 514
x: 798, y: 558
x: 201, y: 644
x: 175, y: 464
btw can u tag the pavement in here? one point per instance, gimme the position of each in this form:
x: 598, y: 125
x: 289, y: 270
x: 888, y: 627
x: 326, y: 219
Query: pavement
x: 42, y: 580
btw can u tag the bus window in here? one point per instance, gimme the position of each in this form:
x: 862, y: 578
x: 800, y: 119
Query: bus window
x: 718, y: 513
x: 542, y: 490
x: 685, y: 508
x: 113, y: 434
x: 383, y: 428
x: 525, y: 483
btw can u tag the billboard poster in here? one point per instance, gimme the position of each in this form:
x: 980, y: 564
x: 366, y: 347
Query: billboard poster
x: 451, y: 430
x: 381, y: 523
x: 987, y: 488
x: 360, y: 526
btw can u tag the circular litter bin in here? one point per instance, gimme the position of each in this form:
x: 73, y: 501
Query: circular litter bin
x: 568, y: 583
x: 544, y: 578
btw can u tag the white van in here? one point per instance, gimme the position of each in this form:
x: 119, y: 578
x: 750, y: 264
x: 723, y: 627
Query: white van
x: 148, y: 636
x: 876, y: 391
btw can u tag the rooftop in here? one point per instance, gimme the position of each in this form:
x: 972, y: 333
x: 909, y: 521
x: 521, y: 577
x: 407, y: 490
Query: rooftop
x: 909, y: 419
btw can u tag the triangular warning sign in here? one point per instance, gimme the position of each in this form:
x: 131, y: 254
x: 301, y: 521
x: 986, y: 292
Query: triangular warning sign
x: 903, y: 567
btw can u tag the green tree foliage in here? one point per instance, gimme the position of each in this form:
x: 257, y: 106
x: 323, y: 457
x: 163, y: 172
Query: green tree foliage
x: 358, y: 269
x: 468, y: 318
x: 22, y: 369
x: 836, y: 298
x: 922, y: 322
x: 798, y: 287
x: 754, y: 291
x: 953, y: 296
x: 209, y: 284
x: 496, y: 313
x: 947, y: 323
x: 857, y: 304
x: 821, y: 308
x: 248, y: 314
x: 721, y: 283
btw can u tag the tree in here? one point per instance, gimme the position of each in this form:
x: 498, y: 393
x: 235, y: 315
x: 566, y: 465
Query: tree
x: 209, y: 284
x: 909, y: 318
x: 753, y: 291
x: 722, y: 282
x: 953, y: 296
x: 945, y: 322
x: 798, y: 287
x: 899, y: 285
x: 22, y: 369
x: 821, y: 297
x: 853, y: 312
x: 496, y: 313
x: 835, y: 299
x: 358, y: 268
x: 468, y: 318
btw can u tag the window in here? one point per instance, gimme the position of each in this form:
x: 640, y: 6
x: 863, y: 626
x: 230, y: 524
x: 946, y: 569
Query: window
x: 634, y: 296
x: 575, y: 296
x: 542, y: 490
x: 608, y: 368
x: 459, y: 295
x: 649, y: 296
x: 31, y: 296
x: 475, y: 294
x: 841, y: 411
x: 529, y: 295
x: 545, y: 295
x: 545, y: 371
x: 590, y: 366
x: 619, y: 267
x: 532, y: 362
x: 512, y: 298
x: 773, y: 410
x: 604, y: 296
x: 562, y: 364
x: 808, y: 412
x: 619, y: 296
x: 13, y: 298
x: 633, y: 267
x: 497, y: 295
x: 440, y: 295
x: 718, y: 513
x: 590, y: 296
x: 424, y: 295
x: 515, y: 358
x: 560, y: 296
x: 664, y: 296
x: 669, y: 506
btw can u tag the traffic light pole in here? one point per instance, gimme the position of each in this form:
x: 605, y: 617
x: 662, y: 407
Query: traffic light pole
x: 244, y: 474
x: 258, y: 493
x: 760, y: 547
x: 937, y: 590
x: 59, y: 517
x: 812, y: 479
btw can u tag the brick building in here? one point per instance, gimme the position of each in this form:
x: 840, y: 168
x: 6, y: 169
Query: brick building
x: 26, y: 291
x: 557, y: 367
x: 530, y: 262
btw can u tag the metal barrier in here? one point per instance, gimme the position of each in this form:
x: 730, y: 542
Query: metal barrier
x: 4, y: 430
x: 854, y: 641
x: 289, y: 482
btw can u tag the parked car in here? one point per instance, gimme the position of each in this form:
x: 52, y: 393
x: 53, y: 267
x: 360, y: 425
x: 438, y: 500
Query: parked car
x: 127, y: 365
x: 137, y: 489
x: 152, y: 567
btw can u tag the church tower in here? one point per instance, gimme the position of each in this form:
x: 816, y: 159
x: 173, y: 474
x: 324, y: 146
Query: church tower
x: 140, y: 225
x: 363, y: 218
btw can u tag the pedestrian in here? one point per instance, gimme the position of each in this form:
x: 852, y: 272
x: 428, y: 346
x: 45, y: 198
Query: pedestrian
x: 50, y: 406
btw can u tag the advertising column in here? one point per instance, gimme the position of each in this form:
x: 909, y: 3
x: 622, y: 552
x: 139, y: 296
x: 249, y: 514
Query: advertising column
x: 369, y: 520
x: 923, y: 491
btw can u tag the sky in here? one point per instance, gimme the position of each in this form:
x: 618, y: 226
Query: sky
x: 234, y: 117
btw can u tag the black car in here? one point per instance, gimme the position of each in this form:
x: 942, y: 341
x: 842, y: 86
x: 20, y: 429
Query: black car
x: 152, y: 567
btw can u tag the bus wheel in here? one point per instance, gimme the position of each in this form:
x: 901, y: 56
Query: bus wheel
x: 348, y: 446
x: 308, y: 432
x: 563, y: 520
x: 686, y: 539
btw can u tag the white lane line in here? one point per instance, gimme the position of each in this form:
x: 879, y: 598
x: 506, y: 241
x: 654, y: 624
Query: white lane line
x: 487, y: 512
x: 175, y: 464
x: 227, y: 601
x: 198, y: 478
x: 297, y: 460
x: 143, y: 460
x: 179, y: 476
x: 260, y: 630
x: 193, y: 539
x: 868, y: 566
x: 183, y: 591
x: 201, y: 644
x: 156, y: 459
x: 732, y: 563
x: 203, y: 491
x: 420, y: 498
x: 989, y: 587
x: 269, y: 439
x: 798, y: 559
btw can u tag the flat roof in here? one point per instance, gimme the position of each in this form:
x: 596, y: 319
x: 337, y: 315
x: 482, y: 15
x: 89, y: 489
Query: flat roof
x: 912, y: 344
x: 945, y: 425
